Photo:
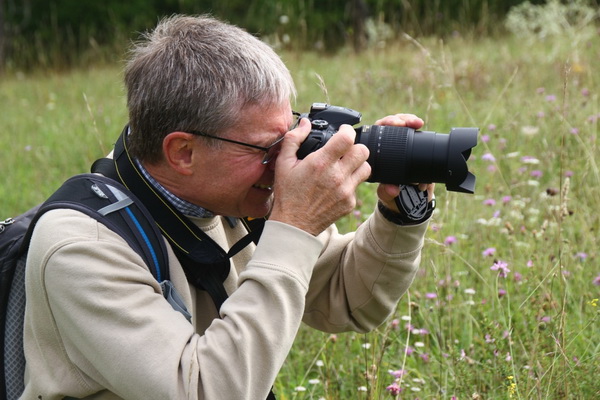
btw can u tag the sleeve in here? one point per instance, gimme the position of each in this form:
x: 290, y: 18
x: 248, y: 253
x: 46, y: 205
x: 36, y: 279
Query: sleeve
x: 108, y: 324
x: 360, y: 277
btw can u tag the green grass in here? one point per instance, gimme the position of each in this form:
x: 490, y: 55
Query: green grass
x: 533, y: 334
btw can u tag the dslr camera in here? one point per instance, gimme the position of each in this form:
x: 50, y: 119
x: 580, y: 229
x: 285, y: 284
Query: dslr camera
x: 399, y: 155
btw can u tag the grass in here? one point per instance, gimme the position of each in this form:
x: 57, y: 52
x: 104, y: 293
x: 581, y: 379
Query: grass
x: 467, y: 328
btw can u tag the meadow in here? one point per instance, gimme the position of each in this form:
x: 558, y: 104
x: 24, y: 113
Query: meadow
x: 506, y: 303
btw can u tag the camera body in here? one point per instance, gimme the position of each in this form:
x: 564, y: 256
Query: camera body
x: 399, y: 155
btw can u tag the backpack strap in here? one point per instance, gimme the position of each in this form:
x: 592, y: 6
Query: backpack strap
x: 112, y: 204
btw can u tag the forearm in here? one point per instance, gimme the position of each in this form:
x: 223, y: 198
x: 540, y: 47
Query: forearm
x: 360, y: 278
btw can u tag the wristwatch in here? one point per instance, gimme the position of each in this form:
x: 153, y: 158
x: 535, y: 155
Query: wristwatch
x: 413, y: 205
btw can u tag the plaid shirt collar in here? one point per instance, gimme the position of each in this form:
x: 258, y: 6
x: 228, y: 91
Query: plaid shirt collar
x: 183, y: 206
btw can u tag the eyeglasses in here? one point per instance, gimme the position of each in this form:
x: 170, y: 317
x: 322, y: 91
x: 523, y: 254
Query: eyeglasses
x: 270, y: 151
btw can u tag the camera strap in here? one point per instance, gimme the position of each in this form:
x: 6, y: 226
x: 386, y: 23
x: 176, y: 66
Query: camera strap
x: 205, y: 263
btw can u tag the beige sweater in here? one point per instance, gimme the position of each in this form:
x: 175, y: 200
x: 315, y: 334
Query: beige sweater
x: 97, y: 325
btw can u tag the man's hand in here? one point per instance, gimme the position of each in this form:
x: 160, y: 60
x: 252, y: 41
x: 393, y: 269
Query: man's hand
x: 315, y: 192
x: 387, y: 193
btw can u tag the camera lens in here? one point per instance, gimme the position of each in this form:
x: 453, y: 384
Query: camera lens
x: 401, y: 155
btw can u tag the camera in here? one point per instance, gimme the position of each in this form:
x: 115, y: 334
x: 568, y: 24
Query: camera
x: 399, y: 155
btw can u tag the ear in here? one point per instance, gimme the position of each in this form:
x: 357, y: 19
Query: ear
x: 178, y: 148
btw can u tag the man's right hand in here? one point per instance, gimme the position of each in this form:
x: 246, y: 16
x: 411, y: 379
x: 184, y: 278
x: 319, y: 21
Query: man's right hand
x: 315, y: 192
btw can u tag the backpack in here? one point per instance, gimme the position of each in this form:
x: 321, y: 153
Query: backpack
x: 101, y: 198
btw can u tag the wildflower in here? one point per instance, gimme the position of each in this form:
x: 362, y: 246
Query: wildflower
x: 491, y: 127
x: 470, y: 291
x: 320, y: 363
x: 501, y: 267
x: 419, y: 344
x: 362, y: 389
x: 488, y: 157
x: 489, y: 339
x: 450, y: 240
x: 430, y: 295
x: 585, y: 92
x: 490, y: 251
x: 394, y: 389
x: 518, y: 277
x: 536, y: 173
x: 569, y: 173
x: 551, y: 98
x: 399, y: 373
x: 540, y: 90
x: 424, y: 357
x: 489, y: 202
x: 409, y: 350
x: 529, y: 263
x: 528, y: 130
x: 314, y: 381
x: 508, y: 357
x: 501, y: 292
x: 574, y: 131
x: 545, y: 319
x: 300, y: 389
x: 485, y: 138
x: 529, y: 160
x: 581, y: 255
x: 512, y: 386
x: 593, y: 302
x: 596, y: 281
x: 366, y: 346
x: 506, y: 199
x: 395, y: 323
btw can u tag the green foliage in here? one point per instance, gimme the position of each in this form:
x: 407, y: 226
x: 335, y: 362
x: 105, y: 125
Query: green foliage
x: 63, y: 33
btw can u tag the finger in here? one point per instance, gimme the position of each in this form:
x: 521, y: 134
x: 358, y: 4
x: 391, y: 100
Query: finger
x: 408, y: 120
x: 294, y: 138
x: 341, y: 145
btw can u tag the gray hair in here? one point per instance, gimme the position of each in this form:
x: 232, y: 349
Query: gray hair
x: 198, y: 73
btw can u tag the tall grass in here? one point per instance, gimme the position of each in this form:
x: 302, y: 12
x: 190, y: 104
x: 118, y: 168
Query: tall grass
x: 505, y: 304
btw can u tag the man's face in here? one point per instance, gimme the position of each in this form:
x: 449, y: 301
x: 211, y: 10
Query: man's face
x: 231, y: 180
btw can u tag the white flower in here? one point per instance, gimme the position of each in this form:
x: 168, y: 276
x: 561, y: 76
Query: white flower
x: 300, y: 389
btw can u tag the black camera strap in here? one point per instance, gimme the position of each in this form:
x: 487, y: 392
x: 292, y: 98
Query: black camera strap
x: 205, y: 263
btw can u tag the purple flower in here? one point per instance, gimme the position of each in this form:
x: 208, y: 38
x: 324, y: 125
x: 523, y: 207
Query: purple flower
x: 536, y: 173
x: 501, y: 267
x: 501, y: 292
x: 581, y: 255
x: 506, y: 199
x: 518, y: 277
x: 491, y: 127
x: 450, y: 240
x: 574, y: 131
x: 585, y: 92
x: 485, y: 138
x: 490, y: 251
x: 551, y: 98
x: 399, y: 373
x: 394, y: 389
x: 430, y: 295
x: 596, y: 281
x: 489, y: 202
x: 488, y: 157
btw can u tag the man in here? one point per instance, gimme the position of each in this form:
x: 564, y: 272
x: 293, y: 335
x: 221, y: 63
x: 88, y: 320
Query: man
x: 210, y: 114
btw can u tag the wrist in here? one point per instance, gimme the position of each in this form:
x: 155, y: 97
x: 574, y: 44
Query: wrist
x: 404, y: 218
